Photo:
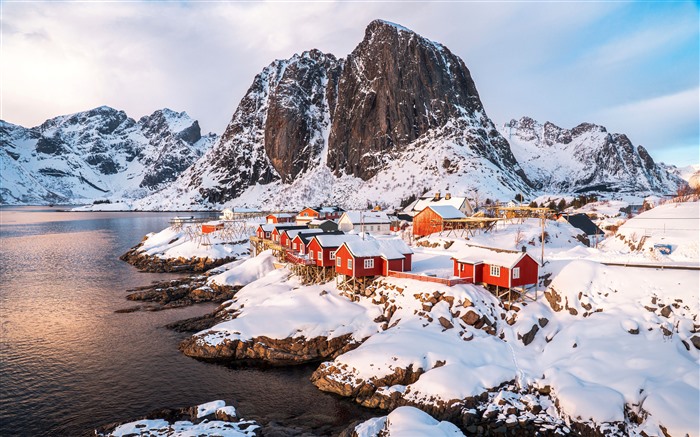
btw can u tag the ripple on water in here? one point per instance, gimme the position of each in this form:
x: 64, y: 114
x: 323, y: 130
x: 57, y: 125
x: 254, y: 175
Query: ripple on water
x: 69, y: 363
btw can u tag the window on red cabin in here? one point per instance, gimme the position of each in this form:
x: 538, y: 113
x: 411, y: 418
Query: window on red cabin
x: 496, y: 271
x: 311, y: 254
x: 295, y: 246
x: 350, y: 263
x: 516, y: 273
x: 320, y: 255
x: 338, y: 261
x: 369, y: 263
x: 332, y: 254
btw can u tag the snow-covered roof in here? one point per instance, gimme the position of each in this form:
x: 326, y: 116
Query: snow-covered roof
x: 447, y: 211
x: 328, y: 209
x: 268, y: 227
x: 387, y: 248
x: 368, y: 217
x: 282, y: 215
x: 291, y: 233
x: 335, y: 240
x: 319, y: 221
x: 426, y: 201
x: 491, y: 256
x: 306, y: 237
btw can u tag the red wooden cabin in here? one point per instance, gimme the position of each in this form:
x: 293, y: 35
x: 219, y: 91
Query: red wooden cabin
x: 431, y: 219
x: 360, y: 258
x: 264, y: 231
x: 279, y: 230
x: 322, y: 213
x: 503, y: 268
x: 322, y: 247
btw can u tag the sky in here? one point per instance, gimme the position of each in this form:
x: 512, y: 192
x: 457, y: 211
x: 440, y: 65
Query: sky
x: 633, y: 67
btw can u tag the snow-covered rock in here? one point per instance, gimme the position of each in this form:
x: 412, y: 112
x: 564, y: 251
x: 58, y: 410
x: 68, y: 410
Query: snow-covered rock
x: 100, y: 154
x: 585, y: 158
x: 406, y: 422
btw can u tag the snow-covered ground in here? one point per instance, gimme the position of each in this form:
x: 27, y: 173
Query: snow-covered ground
x: 608, y: 346
x: 673, y: 224
x: 172, y: 243
x: 405, y: 422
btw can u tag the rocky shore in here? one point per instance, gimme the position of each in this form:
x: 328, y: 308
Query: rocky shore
x: 211, y: 418
x: 269, y: 351
x: 156, y: 264
x: 179, y: 292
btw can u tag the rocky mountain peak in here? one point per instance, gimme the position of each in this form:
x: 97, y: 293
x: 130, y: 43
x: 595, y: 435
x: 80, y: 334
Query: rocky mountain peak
x: 395, y: 87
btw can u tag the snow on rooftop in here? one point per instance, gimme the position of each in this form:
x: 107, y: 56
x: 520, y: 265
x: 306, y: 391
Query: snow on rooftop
x: 330, y: 240
x: 476, y: 254
x: 426, y: 201
x: 367, y: 217
x: 447, y: 211
x: 393, y: 248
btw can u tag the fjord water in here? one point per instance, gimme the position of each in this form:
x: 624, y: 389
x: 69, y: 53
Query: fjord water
x: 69, y: 363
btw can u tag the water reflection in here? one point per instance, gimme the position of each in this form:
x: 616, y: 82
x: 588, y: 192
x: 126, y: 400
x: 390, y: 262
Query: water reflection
x: 69, y: 363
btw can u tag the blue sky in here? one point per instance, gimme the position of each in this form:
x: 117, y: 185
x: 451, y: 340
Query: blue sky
x: 630, y: 66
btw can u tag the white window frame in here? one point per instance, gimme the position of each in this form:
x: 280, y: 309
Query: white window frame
x: 516, y: 273
x: 319, y: 255
x: 350, y: 263
x: 311, y: 254
x: 296, y: 247
x: 332, y: 255
x: 369, y: 263
x: 338, y: 262
x: 495, y: 271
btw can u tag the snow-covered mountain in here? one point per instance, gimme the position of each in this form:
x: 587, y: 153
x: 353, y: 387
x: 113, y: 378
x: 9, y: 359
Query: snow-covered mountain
x: 585, y: 158
x: 96, y: 154
x: 398, y: 116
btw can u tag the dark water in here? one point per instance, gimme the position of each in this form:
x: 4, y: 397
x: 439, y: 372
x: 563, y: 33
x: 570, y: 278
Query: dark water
x: 69, y: 363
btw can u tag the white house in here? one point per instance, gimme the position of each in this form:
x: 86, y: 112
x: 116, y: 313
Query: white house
x: 461, y: 203
x: 375, y: 222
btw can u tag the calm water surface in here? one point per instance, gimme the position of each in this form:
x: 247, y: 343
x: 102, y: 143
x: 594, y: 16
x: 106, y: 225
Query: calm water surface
x: 68, y: 363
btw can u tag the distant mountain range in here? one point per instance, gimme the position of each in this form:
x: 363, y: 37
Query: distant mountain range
x: 97, y: 154
x: 399, y: 116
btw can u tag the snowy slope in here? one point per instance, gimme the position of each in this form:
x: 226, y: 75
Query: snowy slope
x: 378, y: 127
x: 97, y: 154
x: 585, y: 158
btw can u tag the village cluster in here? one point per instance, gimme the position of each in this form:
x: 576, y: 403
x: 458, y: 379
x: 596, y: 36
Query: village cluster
x: 355, y: 247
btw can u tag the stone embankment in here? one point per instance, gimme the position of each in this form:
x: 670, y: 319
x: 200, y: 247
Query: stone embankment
x: 269, y: 351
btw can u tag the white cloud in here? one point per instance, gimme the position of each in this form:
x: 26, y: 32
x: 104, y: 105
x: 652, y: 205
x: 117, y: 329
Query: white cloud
x: 201, y: 57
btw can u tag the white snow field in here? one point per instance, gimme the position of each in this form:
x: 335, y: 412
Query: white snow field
x: 673, y: 224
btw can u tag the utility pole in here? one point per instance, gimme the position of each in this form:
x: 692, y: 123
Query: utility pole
x: 542, y: 241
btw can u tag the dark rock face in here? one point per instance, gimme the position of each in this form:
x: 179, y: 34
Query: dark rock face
x: 277, y: 131
x: 396, y: 86
x: 354, y: 115
x: 299, y: 112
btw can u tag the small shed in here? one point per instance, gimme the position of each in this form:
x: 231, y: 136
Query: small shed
x: 501, y: 268
x: 362, y: 258
x: 432, y: 219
